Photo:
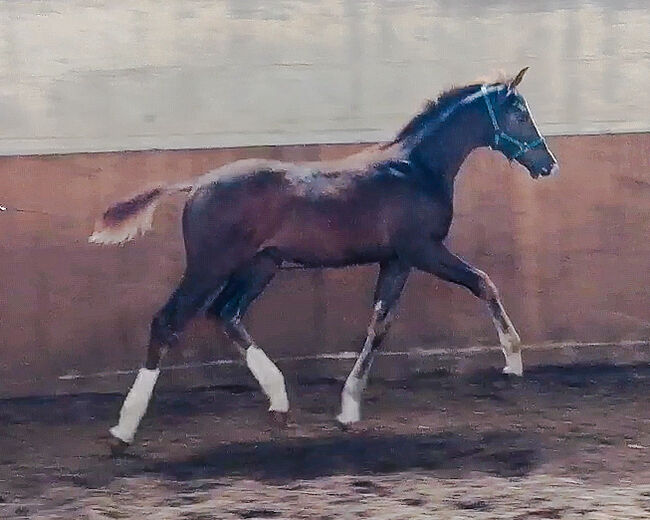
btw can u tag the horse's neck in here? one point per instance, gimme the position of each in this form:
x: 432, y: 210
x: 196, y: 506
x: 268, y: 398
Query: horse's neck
x: 442, y: 154
x: 438, y: 164
x: 434, y: 181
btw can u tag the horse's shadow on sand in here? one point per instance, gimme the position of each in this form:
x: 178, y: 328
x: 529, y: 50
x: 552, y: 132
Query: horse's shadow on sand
x: 499, y: 453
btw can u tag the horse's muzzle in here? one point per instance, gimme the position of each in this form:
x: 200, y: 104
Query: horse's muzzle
x: 554, y: 169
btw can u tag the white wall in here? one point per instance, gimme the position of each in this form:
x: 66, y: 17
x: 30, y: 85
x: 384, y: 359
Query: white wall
x: 77, y: 75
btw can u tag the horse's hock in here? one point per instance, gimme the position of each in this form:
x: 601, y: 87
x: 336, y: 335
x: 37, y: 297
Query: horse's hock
x: 569, y: 255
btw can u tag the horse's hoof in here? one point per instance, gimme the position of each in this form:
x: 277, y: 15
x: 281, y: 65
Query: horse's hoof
x: 279, y: 418
x: 117, y: 446
x: 513, y: 372
x: 347, y: 423
x: 344, y: 427
x: 514, y: 365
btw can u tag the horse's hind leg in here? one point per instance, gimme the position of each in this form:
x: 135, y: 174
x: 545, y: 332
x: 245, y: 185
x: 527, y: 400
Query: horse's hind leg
x: 229, y: 308
x: 392, y: 277
x: 188, y: 298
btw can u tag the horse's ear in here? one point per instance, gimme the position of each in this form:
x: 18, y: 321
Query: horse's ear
x: 517, y: 79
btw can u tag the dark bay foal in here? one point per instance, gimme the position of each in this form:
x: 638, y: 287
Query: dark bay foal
x: 391, y: 205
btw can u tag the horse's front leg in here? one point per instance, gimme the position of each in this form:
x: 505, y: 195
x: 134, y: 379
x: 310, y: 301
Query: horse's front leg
x: 392, y: 277
x: 434, y: 257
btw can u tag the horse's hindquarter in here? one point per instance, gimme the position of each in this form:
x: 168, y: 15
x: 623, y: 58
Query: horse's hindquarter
x: 231, y: 213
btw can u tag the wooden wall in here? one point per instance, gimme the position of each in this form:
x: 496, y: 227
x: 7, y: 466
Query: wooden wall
x: 570, y: 254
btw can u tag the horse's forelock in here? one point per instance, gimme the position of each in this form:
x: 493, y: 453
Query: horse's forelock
x: 497, y: 78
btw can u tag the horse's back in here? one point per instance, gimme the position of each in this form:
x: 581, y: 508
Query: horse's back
x: 336, y: 171
x: 317, y: 212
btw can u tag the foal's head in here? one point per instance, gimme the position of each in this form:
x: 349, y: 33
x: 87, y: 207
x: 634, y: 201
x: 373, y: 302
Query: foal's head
x: 480, y: 114
x: 515, y: 133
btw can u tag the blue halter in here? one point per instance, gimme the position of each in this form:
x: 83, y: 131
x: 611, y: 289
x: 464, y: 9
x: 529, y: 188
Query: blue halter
x: 500, y: 135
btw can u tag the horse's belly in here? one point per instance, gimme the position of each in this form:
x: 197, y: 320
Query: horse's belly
x: 326, y: 246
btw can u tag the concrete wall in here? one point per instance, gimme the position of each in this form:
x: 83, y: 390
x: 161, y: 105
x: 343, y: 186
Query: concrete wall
x: 570, y: 254
x: 115, y: 75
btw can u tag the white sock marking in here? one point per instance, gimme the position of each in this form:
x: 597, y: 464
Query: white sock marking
x: 355, y: 385
x: 510, y: 343
x: 269, y: 377
x: 135, y: 405
x: 514, y: 364
x: 351, y: 400
x: 509, y: 339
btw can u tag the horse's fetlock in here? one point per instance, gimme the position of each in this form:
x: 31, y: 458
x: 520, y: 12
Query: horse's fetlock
x: 486, y: 289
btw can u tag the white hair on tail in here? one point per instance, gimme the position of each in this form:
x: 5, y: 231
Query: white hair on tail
x: 125, y: 220
x: 128, y: 229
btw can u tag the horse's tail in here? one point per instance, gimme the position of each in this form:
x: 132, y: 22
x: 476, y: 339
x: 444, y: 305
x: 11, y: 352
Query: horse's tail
x: 124, y: 220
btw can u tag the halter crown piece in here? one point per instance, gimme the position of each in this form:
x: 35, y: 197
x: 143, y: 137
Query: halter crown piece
x: 500, y: 135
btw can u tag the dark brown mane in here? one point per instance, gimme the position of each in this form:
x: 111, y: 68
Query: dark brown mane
x: 433, y: 108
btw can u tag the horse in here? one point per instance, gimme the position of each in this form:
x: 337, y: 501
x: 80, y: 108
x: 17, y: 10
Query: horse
x: 391, y: 204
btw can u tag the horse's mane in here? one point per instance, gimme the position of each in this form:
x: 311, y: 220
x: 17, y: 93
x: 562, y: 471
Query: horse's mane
x: 445, y: 99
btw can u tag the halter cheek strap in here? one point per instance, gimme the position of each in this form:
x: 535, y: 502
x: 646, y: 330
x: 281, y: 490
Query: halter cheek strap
x: 500, y: 135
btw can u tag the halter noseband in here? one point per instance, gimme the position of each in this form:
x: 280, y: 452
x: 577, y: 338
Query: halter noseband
x: 500, y: 135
